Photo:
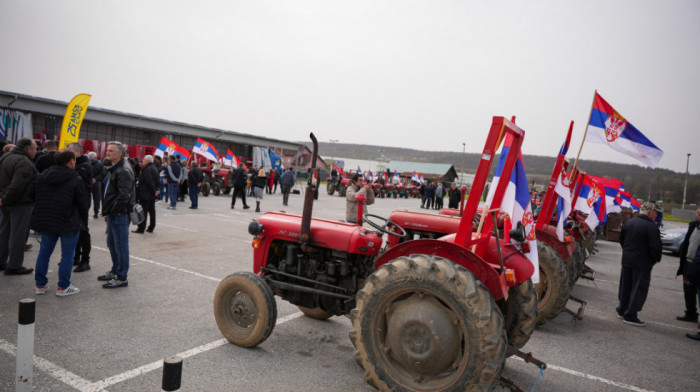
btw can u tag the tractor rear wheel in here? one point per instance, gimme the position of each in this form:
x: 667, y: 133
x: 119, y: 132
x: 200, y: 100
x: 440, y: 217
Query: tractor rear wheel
x: 424, y: 323
x: 521, y: 313
x: 206, y: 188
x: 245, y: 309
x: 227, y: 190
x: 341, y: 190
x: 216, y: 188
x: 553, y: 289
x: 330, y: 189
x: 315, y: 313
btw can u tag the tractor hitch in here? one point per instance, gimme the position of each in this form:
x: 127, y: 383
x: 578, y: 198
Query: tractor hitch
x: 578, y: 315
x: 527, y: 357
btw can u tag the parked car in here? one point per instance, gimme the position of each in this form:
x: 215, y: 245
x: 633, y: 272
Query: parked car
x: 671, y: 240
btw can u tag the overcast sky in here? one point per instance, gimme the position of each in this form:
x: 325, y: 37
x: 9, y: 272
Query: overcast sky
x: 419, y: 74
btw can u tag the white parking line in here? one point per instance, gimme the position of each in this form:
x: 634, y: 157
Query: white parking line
x: 165, y: 266
x: 50, y: 368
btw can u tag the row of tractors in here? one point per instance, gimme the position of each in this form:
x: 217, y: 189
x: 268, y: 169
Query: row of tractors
x: 405, y: 189
x: 439, y: 305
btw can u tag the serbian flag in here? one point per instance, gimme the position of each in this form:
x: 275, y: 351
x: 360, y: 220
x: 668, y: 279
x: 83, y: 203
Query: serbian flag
x: 231, y: 159
x: 397, y: 179
x: 591, y: 201
x: 168, y: 146
x: 609, y: 127
x: 563, y: 190
x: 370, y: 176
x: 414, y: 177
x: 359, y: 171
x: 516, y: 203
x: 205, y: 149
x: 421, y: 179
x: 612, y: 190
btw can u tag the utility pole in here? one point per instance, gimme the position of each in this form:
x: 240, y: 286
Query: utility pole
x: 464, y: 152
x: 685, y: 187
x: 333, y: 142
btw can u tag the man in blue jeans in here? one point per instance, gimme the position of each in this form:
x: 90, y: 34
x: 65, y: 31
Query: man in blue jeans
x: 59, y: 189
x: 173, y: 176
x: 119, y: 197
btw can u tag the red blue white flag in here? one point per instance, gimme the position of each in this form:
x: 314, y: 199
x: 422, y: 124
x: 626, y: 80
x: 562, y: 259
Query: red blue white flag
x: 231, y: 159
x: 359, y: 171
x: 516, y: 203
x: 171, y: 148
x: 414, y: 177
x: 609, y: 127
x: 205, y: 149
x: 591, y: 201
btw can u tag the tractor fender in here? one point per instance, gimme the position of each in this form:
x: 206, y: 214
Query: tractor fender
x: 486, y: 273
x: 548, y: 235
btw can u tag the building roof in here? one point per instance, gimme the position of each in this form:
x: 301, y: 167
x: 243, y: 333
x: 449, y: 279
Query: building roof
x: 22, y: 102
x: 420, y: 167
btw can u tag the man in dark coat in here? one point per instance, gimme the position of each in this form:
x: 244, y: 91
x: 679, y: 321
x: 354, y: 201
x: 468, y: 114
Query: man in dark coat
x: 98, y: 174
x: 194, y: 178
x: 17, y: 175
x: 641, y: 249
x: 288, y: 180
x: 239, y: 180
x: 119, y: 196
x: 61, y: 198
x: 146, y: 193
x: 455, y: 196
x: 84, y: 170
x: 688, y: 249
x: 46, y: 160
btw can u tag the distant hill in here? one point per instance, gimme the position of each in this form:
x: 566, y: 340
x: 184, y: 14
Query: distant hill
x: 641, y: 182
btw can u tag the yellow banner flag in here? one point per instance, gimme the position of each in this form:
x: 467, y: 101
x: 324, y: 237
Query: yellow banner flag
x: 73, y: 119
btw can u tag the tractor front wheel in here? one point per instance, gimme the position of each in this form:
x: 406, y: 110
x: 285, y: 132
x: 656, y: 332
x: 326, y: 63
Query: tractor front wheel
x: 245, y: 309
x: 521, y: 313
x: 424, y: 323
x: 553, y: 290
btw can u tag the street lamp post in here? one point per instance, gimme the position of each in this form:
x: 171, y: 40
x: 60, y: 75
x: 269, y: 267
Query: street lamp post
x: 464, y: 151
x: 685, y: 186
x: 333, y: 142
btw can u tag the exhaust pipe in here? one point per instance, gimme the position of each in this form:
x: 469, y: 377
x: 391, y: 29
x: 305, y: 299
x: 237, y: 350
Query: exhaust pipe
x: 309, y: 197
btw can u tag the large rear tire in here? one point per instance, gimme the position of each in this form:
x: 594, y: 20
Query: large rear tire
x: 424, y: 323
x: 216, y: 189
x: 315, y: 313
x: 245, y: 309
x: 341, y: 190
x: 330, y: 189
x: 553, y: 290
x: 521, y: 313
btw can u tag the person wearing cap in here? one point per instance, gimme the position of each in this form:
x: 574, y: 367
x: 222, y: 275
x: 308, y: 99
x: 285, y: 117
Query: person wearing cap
x: 641, y: 249
x: 259, y: 188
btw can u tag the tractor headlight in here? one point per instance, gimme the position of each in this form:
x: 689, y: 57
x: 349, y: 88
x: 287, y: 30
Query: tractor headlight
x: 255, y: 228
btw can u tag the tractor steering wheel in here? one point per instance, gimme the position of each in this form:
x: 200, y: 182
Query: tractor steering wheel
x: 384, y: 228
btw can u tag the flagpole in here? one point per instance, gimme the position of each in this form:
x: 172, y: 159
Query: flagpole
x: 595, y: 93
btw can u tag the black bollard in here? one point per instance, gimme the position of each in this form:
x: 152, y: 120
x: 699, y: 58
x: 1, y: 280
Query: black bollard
x: 172, y: 373
x: 25, y: 345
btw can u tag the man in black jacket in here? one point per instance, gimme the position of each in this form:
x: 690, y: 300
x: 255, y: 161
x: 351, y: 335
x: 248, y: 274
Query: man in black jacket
x: 98, y: 174
x: 61, y: 197
x: 17, y: 175
x: 239, y: 181
x: 84, y: 170
x: 687, y: 251
x: 641, y: 249
x: 146, y: 193
x: 194, y: 179
x: 455, y: 196
x: 119, y: 197
x: 47, y: 159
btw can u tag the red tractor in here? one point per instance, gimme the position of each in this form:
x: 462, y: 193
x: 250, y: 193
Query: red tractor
x: 340, y: 184
x: 428, y: 314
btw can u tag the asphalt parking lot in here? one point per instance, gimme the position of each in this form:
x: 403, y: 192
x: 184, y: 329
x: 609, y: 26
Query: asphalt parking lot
x: 116, y: 340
